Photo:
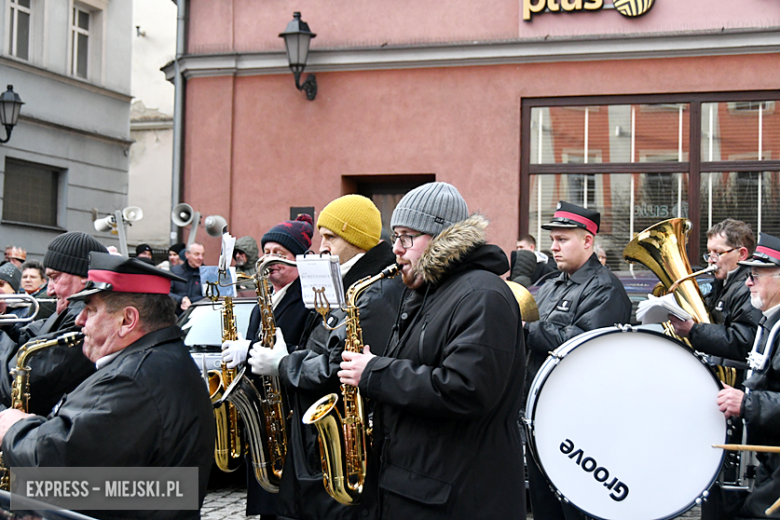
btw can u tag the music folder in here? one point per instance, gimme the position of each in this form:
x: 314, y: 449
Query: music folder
x: 320, y: 274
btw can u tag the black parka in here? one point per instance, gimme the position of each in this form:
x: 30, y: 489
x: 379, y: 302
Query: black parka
x: 148, y: 407
x: 311, y: 372
x: 733, y: 330
x: 448, y: 391
x: 190, y: 287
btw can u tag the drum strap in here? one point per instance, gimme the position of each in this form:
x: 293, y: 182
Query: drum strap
x: 717, y: 360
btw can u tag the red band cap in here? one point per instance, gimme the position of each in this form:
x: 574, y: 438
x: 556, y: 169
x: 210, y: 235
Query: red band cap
x: 135, y: 283
x: 769, y: 252
x: 588, y: 223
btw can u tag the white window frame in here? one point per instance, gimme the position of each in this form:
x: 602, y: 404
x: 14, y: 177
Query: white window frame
x: 96, y: 56
x: 11, y: 25
x: 75, y: 31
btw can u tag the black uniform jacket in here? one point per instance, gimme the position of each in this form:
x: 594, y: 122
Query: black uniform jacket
x: 448, y: 391
x: 761, y: 412
x: 733, y: 330
x: 311, y: 372
x: 56, y: 370
x: 146, y: 407
x: 589, y: 299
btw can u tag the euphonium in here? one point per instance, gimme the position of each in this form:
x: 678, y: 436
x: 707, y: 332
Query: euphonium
x: 661, y: 248
x: 261, y: 406
x: 343, y: 440
x: 228, y: 449
x: 20, y: 389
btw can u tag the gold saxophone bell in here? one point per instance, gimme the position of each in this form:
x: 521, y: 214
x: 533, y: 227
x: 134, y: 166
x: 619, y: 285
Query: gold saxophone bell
x: 661, y: 248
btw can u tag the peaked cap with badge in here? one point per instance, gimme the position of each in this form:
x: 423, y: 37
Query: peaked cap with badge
x: 767, y: 253
x: 121, y: 274
x: 571, y: 216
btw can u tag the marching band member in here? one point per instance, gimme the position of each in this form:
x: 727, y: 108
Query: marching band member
x: 448, y: 388
x: 585, y: 296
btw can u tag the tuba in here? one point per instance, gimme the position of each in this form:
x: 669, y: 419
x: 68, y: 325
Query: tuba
x: 342, y: 440
x: 20, y: 389
x: 661, y: 248
x: 261, y: 406
x: 228, y: 450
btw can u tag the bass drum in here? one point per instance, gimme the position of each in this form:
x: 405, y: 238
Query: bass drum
x: 622, y: 422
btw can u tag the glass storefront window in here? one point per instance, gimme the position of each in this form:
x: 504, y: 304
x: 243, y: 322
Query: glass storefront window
x: 610, y: 134
x: 740, y: 131
x: 628, y: 203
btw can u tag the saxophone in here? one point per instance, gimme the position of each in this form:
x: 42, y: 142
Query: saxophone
x: 20, y: 389
x: 261, y: 406
x: 228, y: 449
x: 343, y: 440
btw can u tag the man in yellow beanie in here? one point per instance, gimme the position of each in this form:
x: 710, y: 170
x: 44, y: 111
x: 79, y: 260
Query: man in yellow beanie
x: 350, y: 227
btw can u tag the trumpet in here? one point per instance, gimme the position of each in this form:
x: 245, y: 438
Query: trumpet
x: 11, y: 299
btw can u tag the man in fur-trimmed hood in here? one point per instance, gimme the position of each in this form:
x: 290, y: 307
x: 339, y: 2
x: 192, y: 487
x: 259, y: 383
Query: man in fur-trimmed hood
x: 448, y: 388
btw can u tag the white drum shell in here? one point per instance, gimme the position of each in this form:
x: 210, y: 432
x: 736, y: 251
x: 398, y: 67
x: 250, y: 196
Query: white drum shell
x: 626, y: 407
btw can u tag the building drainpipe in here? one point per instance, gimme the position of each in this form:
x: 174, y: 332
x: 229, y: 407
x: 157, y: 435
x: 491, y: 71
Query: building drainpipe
x: 178, y: 112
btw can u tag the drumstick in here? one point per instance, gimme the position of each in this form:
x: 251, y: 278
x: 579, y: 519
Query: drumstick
x: 772, y: 508
x: 748, y: 447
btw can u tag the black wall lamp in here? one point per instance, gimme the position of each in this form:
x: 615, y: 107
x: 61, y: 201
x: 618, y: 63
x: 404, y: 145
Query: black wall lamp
x: 297, y: 38
x: 10, y: 106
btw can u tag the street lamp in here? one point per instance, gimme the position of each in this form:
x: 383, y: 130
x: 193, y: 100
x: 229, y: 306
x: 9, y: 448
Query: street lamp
x: 297, y: 37
x: 10, y: 106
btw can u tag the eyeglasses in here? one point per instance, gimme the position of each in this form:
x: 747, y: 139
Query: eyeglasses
x: 752, y: 275
x: 407, y: 241
x: 711, y: 257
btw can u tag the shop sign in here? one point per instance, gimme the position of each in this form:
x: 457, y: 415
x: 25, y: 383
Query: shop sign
x: 628, y: 8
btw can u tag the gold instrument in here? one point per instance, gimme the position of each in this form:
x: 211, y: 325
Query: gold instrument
x: 20, y: 389
x: 228, y: 450
x: 262, y: 408
x: 528, y: 309
x: 661, y: 248
x: 343, y: 440
x: 11, y: 299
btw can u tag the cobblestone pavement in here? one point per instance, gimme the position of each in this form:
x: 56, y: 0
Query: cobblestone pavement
x: 230, y: 502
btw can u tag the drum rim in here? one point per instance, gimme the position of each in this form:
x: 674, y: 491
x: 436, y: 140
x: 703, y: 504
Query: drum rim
x: 553, y: 359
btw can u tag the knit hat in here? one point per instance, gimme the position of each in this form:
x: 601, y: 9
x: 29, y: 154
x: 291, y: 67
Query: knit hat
x: 430, y: 208
x: 294, y: 235
x: 354, y: 218
x: 140, y: 248
x: 10, y: 274
x: 178, y: 247
x: 17, y: 253
x: 69, y: 253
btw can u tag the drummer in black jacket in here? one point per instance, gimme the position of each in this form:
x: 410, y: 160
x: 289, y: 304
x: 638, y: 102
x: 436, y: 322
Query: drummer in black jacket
x: 585, y: 296
x: 759, y: 404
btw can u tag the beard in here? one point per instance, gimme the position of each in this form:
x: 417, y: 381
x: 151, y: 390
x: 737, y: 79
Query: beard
x: 756, y: 301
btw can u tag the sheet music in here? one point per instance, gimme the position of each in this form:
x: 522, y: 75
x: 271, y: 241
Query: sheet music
x: 320, y: 272
x: 657, y: 309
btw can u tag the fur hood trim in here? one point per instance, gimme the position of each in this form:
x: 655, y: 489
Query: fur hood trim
x: 448, y: 249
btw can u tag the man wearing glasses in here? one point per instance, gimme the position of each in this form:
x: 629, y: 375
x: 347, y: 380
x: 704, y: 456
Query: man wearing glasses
x: 759, y: 405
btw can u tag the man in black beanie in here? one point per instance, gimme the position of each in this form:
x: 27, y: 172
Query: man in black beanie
x: 57, y: 370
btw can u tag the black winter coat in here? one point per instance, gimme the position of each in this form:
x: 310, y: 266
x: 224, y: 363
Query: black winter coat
x: 147, y: 407
x: 761, y: 412
x: 311, y: 372
x: 735, y: 320
x: 190, y: 287
x: 589, y: 299
x: 56, y: 370
x: 448, y: 391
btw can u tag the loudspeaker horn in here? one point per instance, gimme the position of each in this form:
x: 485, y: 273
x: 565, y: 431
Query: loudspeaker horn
x: 182, y: 214
x: 105, y: 224
x: 215, y: 225
x: 132, y: 214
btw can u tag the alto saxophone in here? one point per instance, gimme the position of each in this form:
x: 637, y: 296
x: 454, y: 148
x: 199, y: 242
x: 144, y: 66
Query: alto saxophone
x: 228, y: 449
x: 261, y: 406
x: 20, y: 389
x: 343, y: 440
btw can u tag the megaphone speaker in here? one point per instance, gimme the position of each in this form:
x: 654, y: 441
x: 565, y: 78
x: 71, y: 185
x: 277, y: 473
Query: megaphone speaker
x: 182, y: 214
x: 214, y: 225
x: 104, y: 224
x: 132, y: 213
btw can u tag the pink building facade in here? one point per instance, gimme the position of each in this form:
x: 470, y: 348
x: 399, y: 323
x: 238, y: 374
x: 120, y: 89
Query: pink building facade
x: 671, y: 113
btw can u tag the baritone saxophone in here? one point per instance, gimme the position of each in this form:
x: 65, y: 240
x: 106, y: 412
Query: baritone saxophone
x: 342, y: 440
x: 20, y: 389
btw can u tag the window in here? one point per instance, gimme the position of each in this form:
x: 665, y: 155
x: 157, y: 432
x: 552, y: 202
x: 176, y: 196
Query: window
x: 19, y: 29
x: 80, y: 23
x: 30, y: 193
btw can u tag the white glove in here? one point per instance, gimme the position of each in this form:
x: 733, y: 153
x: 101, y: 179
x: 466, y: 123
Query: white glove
x: 265, y: 361
x: 234, y: 352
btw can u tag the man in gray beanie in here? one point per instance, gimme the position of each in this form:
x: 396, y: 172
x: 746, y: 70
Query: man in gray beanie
x: 57, y: 370
x: 448, y: 387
